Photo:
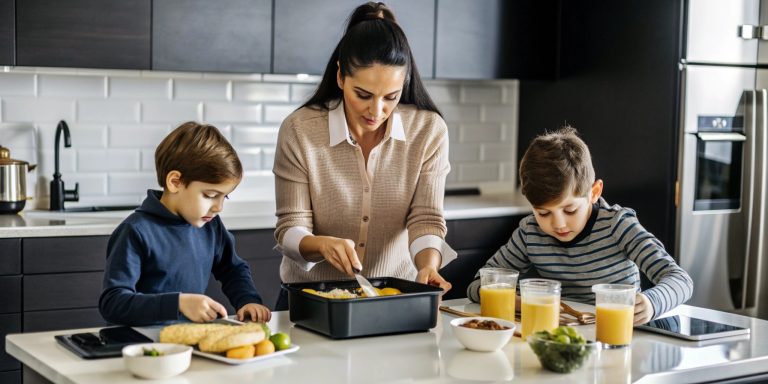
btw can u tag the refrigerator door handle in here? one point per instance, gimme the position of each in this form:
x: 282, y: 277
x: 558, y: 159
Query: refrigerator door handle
x: 748, y: 32
x: 756, y: 236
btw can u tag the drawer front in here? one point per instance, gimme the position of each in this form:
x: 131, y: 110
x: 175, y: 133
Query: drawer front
x: 461, y: 271
x: 490, y: 232
x: 11, y: 377
x: 10, y: 256
x: 266, y: 278
x: 62, y: 291
x: 40, y: 321
x: 10, y: 299
x: 8, y: 324
x: 256, y: 244
x: 64, y: 254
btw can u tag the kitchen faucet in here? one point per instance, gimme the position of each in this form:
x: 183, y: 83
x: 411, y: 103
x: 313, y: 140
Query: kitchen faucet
x: 58, y: 194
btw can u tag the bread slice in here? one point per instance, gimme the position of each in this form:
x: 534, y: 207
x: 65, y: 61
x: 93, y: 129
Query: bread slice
x: 187, y: 333
x: 220, y: 340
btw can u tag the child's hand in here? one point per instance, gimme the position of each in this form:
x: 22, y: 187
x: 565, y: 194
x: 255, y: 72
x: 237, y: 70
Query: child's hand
x: 643, y: 309
x: 257, y: 312
x: 200, y: 308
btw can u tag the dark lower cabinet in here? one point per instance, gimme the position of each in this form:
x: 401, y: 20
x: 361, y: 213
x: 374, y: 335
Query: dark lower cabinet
x: 84, y: 33
x: 9, y: 323
x: 11, y: 377
x: 10, y: 256
x: 38, y: 321
x: 7, y: 34
x: 62, y: 291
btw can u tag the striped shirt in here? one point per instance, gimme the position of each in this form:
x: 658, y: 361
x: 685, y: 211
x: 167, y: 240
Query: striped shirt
x: 613, y: 248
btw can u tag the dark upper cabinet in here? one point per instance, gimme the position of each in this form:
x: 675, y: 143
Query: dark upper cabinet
x: 486, y: 39
x: 7, y: 32
x: 307, y: 31
x: 84, y: 33
x: 203, y: 35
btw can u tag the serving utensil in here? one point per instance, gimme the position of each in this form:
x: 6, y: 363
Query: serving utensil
x: 365, y: 284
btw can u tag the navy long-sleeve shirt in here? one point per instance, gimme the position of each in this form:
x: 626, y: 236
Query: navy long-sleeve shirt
x: 155, y: 255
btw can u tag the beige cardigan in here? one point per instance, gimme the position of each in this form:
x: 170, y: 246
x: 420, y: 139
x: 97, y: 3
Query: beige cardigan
x: 326, y: 189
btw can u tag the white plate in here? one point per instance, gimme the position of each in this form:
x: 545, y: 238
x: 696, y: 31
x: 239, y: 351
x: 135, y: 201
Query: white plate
x: 225, y: 359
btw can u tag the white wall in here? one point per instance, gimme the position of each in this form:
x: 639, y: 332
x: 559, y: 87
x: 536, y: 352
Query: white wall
x: 117, y: 118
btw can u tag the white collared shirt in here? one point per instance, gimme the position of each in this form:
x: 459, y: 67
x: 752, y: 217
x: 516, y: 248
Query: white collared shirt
x: 338, y: 131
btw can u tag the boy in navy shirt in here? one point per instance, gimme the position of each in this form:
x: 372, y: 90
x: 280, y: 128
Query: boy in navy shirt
x: 160, y: 258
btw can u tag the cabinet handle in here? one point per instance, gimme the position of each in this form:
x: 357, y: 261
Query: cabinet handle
x: 748, y: 32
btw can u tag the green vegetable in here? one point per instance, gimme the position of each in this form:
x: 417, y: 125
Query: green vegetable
x: 152, y: 352
x: 561, y: 350
x: 267, y: 331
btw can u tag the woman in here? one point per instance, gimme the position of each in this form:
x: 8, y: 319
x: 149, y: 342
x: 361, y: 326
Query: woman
x: 360, y: 168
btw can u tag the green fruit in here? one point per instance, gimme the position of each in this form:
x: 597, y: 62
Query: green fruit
x: 563, y: 339
x: 281, y: 341
x: 267, y: 331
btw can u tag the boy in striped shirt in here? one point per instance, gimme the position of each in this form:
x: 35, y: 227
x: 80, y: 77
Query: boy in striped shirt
x: 575, y: 237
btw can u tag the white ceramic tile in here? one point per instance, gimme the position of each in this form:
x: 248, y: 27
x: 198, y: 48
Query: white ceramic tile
x: 17, y: 84
x: 82, y: 135
x: 172, y: 74
x: 298, y: 78
x: 244, y: 135
x: 509, y: 171
x: 174, y: 112
x: 232, y: 112
x: 461, y: 152
x: 479, y: 94
x: 256, y: 185
x: 148, y: 159
x: 267, y: 158
x: 46, y: 163
x: 250, y: 158
x: 511, y: 92
x: 498, y: 152
x: 139, y: 88
x: 266, y: 92
x: 452, y: 176
x: 192, y: 89
x: 480, y: 133
x: 121, y: 183
x: 479, y: 172
x: 300, y: 93
x: 499, y: 113
x: 107, y: 111
x: 107, y: 160
x: 28, y: 110
x: 232, y: 76
x: 71, y: 86
x: 443, y: 93
x: 17, y: 136
x: 137, y: 135
x: 458, y: 113
x: 277, y: 113
x: 91, y: 184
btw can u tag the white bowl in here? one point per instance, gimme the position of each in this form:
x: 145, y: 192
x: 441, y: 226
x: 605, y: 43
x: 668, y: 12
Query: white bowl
x: 480, y: 339
x: 174, y: 360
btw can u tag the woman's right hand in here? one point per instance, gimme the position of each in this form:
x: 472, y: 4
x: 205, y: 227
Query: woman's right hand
x: 339, y: 252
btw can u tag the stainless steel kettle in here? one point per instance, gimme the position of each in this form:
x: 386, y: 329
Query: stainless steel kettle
x: 13, y: 182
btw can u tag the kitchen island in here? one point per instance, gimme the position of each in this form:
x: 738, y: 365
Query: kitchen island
x: 434, y: 357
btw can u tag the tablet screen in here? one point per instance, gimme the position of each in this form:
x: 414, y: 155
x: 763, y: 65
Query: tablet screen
x: 693, y: 328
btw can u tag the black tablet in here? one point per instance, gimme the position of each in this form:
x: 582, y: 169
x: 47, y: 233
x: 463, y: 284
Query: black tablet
x: 691, y: 328
x: 109, y: 342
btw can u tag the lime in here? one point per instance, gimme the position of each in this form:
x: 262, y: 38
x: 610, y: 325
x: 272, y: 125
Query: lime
x: 281, y: 341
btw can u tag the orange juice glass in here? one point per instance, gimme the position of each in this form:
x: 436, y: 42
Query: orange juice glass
x: 615, y: 307
x: 497, y: 292
x: 540, y: 306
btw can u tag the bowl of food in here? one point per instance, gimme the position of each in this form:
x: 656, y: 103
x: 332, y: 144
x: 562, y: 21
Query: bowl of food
x: 483, y: 334
x: 562, y: 350
x: 157, y: 360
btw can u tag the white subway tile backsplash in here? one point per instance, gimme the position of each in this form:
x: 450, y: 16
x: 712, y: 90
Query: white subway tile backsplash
x: 250, y: 158
x: 233, y: 112
x: 299, y: 78
x: 499, y: 113
x: 478, y: 172
x: 267, y: 158
x: 265, y: 92
x: 244, y: 135
x: 277, y: 113
x: 443, y: 93
x: 91, y: 184
x: 148, y: 159
x: 107, y: 161
x: 136, y: 135
x: 457, y: 113
x: 135, y: 184
x: 480, y: 133
x: 26, y: 110
x: 139, y: 88
x: 46, y: 163
x: 18, y: 136
x: 498, y: 152
x: 71, y: 86
x: 508, y: 171
x: 107, y: 111
x: 255, y: 186
x: 82, y: 135
x: 17, y: 84
x: 300, y: 93
x: 461, y: 152
x: 174, y: 112
x: 482, y: 94
x: 193, y: 89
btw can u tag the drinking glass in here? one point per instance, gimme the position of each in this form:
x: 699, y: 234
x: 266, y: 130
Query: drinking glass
x: 540, y: 305
x: 497, y: 292
x: 615, y: 307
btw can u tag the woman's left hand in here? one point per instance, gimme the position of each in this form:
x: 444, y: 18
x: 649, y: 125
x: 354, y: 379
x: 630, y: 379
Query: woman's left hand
x: 429, y: 275
x: 643, y: 309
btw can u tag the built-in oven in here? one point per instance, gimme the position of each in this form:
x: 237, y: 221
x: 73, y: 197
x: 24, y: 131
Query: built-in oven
x: 719, y: 159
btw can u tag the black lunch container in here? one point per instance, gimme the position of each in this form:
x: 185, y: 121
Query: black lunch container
x: 414, y: 310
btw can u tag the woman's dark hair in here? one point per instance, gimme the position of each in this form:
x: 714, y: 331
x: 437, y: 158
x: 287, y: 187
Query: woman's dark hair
x: 372, y: 37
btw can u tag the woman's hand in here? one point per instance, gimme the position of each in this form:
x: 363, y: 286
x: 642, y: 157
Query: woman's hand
x: 429, y: 275
x: 200, y: 308
x: 643, y: 309
x: 339, y: 252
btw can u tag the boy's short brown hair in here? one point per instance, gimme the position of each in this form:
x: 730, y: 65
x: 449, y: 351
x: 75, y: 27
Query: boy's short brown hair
x: 554, y: 164
x: 200, y: 152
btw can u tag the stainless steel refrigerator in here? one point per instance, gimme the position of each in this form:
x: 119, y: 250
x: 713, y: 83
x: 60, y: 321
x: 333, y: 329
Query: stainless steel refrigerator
x: 721, y: 187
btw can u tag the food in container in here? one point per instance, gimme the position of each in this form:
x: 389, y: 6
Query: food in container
x: 168, y: 360
x: 479, y: 339
x: 562, y: 350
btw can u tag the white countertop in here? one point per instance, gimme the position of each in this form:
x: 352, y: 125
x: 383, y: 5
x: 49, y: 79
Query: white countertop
x: 236, y: 216
x: 431, y: 357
